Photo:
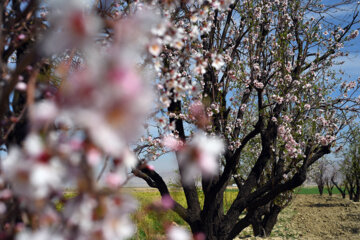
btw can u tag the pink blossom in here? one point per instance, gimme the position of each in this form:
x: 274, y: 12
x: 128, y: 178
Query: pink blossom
x: 281, y: 130
x: 2, y: 208
x: 21, y: 36
x: 21, y: 86
x: 217, y: 61
x: 172, y: 143
x: 199, y: 236
x: 258, y: 85
x: 206, y: 152
x: 114, y: 180
x: 30, y: 178
x: 43, y: 112
x: 167, y: 202
x: 354, y: 34
x: 127, y: 80
x: 198, y: 114
x: 93, y: 156
x: 5, y: 194
x: 150, y: 167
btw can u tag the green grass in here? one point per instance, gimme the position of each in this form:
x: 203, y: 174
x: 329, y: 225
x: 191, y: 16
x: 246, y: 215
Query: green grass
x: 313, y: 190
x: 151, y: 224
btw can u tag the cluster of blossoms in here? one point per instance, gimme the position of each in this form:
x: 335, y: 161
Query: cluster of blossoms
x: 325, y: 140
x: 96, y: 114
x: 292, y: 147
x: 175, y: 41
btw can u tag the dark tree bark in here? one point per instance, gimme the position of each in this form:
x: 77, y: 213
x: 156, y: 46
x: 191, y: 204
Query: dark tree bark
x: 320, y: 177
x: 329, y: 186
x: 265, y: 218
x: 357, y: 189
x: 321, y: 189
x: 350, y: 186
x: 349, y: 189
x: 341, y: 190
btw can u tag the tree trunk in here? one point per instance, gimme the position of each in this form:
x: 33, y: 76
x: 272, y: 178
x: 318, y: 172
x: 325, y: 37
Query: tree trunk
x: 265, y: 219
x: 329, y: 191
x: 356, y: 197
x: 351, y: 196
x: 321, y: 189
x: 329, y: 186
x: 357, y: 190
x: 350, y: 189
x: 256, y: 224
x: 271, y: 219
x: 212, y: 214
x: 342, y: 191
x: 343, y: 194
x: 209, y: 228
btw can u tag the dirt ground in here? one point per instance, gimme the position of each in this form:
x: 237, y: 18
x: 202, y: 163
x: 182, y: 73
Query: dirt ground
x: 314, y: 217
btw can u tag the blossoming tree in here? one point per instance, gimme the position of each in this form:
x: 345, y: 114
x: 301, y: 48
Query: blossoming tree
x: 241, y: 89
x: 350, y: 166
x: 263, y: 81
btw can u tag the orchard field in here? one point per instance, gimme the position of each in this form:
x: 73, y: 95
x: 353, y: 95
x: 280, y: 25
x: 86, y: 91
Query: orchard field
x: 258, y: 94
x: 309, y: 216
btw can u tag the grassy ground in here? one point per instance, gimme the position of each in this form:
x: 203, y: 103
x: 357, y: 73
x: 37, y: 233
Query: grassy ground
x: 310, y: 216
x: 321, y: 213
x: 151, y: 223
x: 314, y: 190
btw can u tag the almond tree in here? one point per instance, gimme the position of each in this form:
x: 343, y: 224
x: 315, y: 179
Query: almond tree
x: 257, y: 74
x: 350, y: 166
x: 330, y: 176
x: 320, y: 176
x: 329, y: 185
x: 229, y: 78
x: 338, y: 184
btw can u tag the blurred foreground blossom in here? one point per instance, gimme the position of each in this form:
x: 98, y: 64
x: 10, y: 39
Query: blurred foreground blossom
x: 42, y: 234
x: 73, y: 25
x: 178, y: 233
x: 92, y: 117
x: 172, y: 143
x: 33, y: 175
x: 201, y: 155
